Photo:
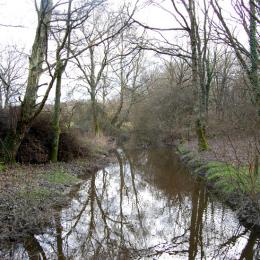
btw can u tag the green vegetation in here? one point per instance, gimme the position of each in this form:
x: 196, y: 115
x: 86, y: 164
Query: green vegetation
x: 2, y: 167
x: 226, y: 177
x: 230, y: 178
x: 61, y: 177
x: 36, y: 194
x: 183, y: 150
x: 201, y: 133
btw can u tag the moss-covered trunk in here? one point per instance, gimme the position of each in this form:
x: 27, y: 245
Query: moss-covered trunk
x: 94, y: 115
x: 197, y: 78
x: 15, y: 136
x: 201, y: 134
x: 56, y: 118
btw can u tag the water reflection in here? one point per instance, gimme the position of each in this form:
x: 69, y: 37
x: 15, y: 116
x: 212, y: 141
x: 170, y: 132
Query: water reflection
x: 146, y: 206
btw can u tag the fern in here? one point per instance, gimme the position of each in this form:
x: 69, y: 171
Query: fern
x: 229, y: 178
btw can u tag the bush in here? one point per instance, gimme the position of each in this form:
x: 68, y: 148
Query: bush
x: 36, y: 145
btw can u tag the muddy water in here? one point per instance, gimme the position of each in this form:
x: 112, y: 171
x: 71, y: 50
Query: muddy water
x: 145, y: 206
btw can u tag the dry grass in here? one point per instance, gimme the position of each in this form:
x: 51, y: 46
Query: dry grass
x: 97, y: 144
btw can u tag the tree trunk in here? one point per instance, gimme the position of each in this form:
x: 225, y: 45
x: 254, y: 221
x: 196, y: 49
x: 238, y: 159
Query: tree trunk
x: 94, y: 115
x: 116, y: 116
x: 122, y: 87
x: 56, y: 117
x: 201, y: 133
x: 200, y: 123
x: 1, y: 98
x: 14, y: 138
x: 253, y: 77
x: 12, y: 142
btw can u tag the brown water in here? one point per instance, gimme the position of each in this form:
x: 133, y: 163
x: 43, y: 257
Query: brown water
x: 145, y: 206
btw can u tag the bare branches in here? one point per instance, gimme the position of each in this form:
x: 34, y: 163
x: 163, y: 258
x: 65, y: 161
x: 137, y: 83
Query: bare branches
x: 157, y: 29
x: 12, y: 70
x: 11, y: 26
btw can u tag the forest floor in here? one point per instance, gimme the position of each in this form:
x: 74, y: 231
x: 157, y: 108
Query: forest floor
x: 31, y: 195
x: 237, y: 150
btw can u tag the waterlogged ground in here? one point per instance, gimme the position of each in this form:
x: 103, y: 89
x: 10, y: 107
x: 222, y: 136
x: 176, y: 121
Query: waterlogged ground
x: 145, y: 206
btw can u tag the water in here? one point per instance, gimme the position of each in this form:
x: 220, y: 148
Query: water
x: 145, y: 206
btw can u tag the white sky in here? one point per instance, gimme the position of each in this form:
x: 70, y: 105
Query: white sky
x: 22, y: 12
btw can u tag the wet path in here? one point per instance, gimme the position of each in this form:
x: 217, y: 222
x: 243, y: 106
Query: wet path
x: 145, y: 206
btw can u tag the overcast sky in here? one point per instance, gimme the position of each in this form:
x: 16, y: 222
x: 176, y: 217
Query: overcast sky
x: 22, y: 12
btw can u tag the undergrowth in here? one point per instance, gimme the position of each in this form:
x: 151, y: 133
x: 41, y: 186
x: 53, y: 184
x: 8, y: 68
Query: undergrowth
x: 231, y: 178
x: 2, y: 167
x: 226, y: 177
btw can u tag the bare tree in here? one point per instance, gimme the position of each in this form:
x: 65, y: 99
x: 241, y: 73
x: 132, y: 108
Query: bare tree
x: 197, y: 31
x: 248, y: 18
x: 222, y: 82
x: 12, y: 70
x: 127, y: 72
x: 29, y: 107
x: 66, y: 23
x: 93, y: 66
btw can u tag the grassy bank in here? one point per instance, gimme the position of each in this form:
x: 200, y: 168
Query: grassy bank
x: 238, y: 185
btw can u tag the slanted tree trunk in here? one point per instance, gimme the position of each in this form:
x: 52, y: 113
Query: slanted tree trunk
x: 251, y: 68
x: 15, y: 136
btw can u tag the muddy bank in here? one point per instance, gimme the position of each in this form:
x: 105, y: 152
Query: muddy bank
x: 32, y: 196
x: 243, y: 202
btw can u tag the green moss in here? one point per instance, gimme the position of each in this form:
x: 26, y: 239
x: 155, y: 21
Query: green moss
x: 61, y: 177
x: 201, y: 133
x: 2, y: 167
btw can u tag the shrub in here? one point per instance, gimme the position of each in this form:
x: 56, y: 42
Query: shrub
x: 36, y: 145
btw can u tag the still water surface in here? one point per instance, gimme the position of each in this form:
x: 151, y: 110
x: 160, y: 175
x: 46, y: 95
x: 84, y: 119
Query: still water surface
x: 144, y: 206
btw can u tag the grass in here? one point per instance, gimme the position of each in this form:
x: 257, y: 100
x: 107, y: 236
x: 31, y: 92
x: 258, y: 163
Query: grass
x: 61, y: 177
x: 36, y: 194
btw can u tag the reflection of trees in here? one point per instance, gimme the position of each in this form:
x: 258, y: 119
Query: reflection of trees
x: 59, y: 238
x: 110, y: 218
x: 34, y: 249
x: 106, y: 230
x: 248, y: 251
x: 199, y: 203
x: 169, y: 176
